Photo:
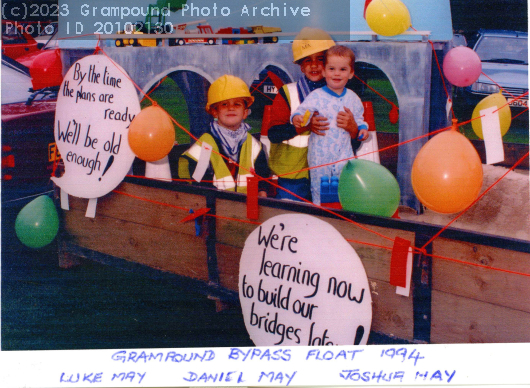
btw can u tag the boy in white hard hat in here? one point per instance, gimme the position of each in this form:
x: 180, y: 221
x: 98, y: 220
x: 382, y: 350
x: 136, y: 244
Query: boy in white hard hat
x: 288, y: 151
x: 228, y: 103
x: 330, y: 101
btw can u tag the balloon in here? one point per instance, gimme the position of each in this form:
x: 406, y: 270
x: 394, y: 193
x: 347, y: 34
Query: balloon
x: 46, y: 70
x: 151, y: 134
x: 462, y: 66
x: 505, y: 114
x: 369, y: 188
x: 37, y: 223
x: 393, y: 115
x: 388, y: 17
x: 447, y: 173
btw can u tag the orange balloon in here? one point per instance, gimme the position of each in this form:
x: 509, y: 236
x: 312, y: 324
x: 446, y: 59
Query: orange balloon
x: 151, y: 134
x: 447, y: 173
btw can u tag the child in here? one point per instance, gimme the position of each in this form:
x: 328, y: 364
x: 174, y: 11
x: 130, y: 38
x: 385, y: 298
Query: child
x: 228, y: 102
x: 334, y: 102
x: 288, y: 149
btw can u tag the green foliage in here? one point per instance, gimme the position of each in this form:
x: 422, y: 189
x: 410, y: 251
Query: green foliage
x: 169, y: 96
x: 173, y: 5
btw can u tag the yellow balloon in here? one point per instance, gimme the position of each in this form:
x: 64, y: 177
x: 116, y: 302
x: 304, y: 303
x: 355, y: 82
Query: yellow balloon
x: 505, y: 113
x: 387, y: 17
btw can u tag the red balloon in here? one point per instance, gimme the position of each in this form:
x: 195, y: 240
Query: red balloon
x: 393, y: 115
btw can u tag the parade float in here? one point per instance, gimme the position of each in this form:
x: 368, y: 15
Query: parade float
x: 124, y: 206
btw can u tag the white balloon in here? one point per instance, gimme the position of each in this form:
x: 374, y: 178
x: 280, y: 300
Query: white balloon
x: 302, y: 283
x: 95, y: 106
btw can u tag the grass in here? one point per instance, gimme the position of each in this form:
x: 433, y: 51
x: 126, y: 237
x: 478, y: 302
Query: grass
x: 169, y: 96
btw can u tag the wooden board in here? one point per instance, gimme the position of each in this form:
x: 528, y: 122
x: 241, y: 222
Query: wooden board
x: 376, y: 259
x: 142, y: 231
x: 150, y: 206
x: 484, y: 284
x: 456, y: 319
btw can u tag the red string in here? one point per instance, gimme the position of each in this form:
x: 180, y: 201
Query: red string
x: 480, y: 265
x: 376, y: 92
x: 422, y: 250
x: 519, y: 114
x: 153, y: 89
x: 255, y: 89
x: 485, y: 75
x: 349, y: 240
x: 476, y: 200
x: 514, y: 99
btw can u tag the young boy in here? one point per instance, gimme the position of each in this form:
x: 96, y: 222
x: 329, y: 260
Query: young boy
x: 288, y: 150
x: 228, y: 102
x: 332, y: 101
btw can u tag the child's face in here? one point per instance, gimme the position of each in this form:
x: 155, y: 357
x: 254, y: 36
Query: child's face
x: 312, y: 66
x: 230, y: 113
x: 337, y: 72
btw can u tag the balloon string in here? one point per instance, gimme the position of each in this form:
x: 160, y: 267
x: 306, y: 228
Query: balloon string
x: 154, y: 88
x: 488, y: 77
x: 376, y: 92
x: 440, y: 71
x: 368, y: 153
x: 255, y: 89
x: 475, y: 201
x: 519, y: 114
x: 514, y: 99
x: 347, y: 239
x: 442, y: 77
x: 269, y: 179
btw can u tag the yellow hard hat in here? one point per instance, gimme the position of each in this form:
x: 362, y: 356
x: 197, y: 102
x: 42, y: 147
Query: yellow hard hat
x: 227, y: 87
x: 310, y: 41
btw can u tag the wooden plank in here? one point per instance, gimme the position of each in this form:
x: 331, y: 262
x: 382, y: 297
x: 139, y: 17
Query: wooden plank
x: 392, y: 314
x: 157, y: 248
x: 456, y: 319
x: 376, y: 260
x: 484, y: 284
x: 228, y: 258
x: 171, y: 207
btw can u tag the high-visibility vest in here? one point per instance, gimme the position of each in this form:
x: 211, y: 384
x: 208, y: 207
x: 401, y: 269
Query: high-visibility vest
x: 223, y: 180
x: 290, y: 155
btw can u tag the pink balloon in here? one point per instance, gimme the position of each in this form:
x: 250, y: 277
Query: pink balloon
x: 462, y: 66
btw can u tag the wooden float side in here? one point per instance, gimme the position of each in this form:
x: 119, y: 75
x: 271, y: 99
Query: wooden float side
x: 473, y: 299
x: 146, y: 231
x: 140, y: 222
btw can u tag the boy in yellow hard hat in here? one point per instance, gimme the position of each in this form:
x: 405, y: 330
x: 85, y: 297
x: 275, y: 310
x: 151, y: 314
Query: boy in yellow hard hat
x: 228, y: 103
x: 288, y: 151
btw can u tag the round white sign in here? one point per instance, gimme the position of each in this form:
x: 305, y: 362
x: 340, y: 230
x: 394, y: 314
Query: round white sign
x: 302, y: 283
x: 95, y: 106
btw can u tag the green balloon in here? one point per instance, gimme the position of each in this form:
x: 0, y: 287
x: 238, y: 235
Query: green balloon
x: 369, y: 188
x: 37, y: 223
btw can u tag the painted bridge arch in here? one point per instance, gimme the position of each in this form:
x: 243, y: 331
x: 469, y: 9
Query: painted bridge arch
x: 406, y: 64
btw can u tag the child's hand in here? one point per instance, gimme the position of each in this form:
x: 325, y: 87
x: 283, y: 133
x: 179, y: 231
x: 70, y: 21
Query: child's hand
x: 319, y: 124
x: 346, y: 121
x: 262, y: 194
x: 363, y: 135
x: 297, y: 122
